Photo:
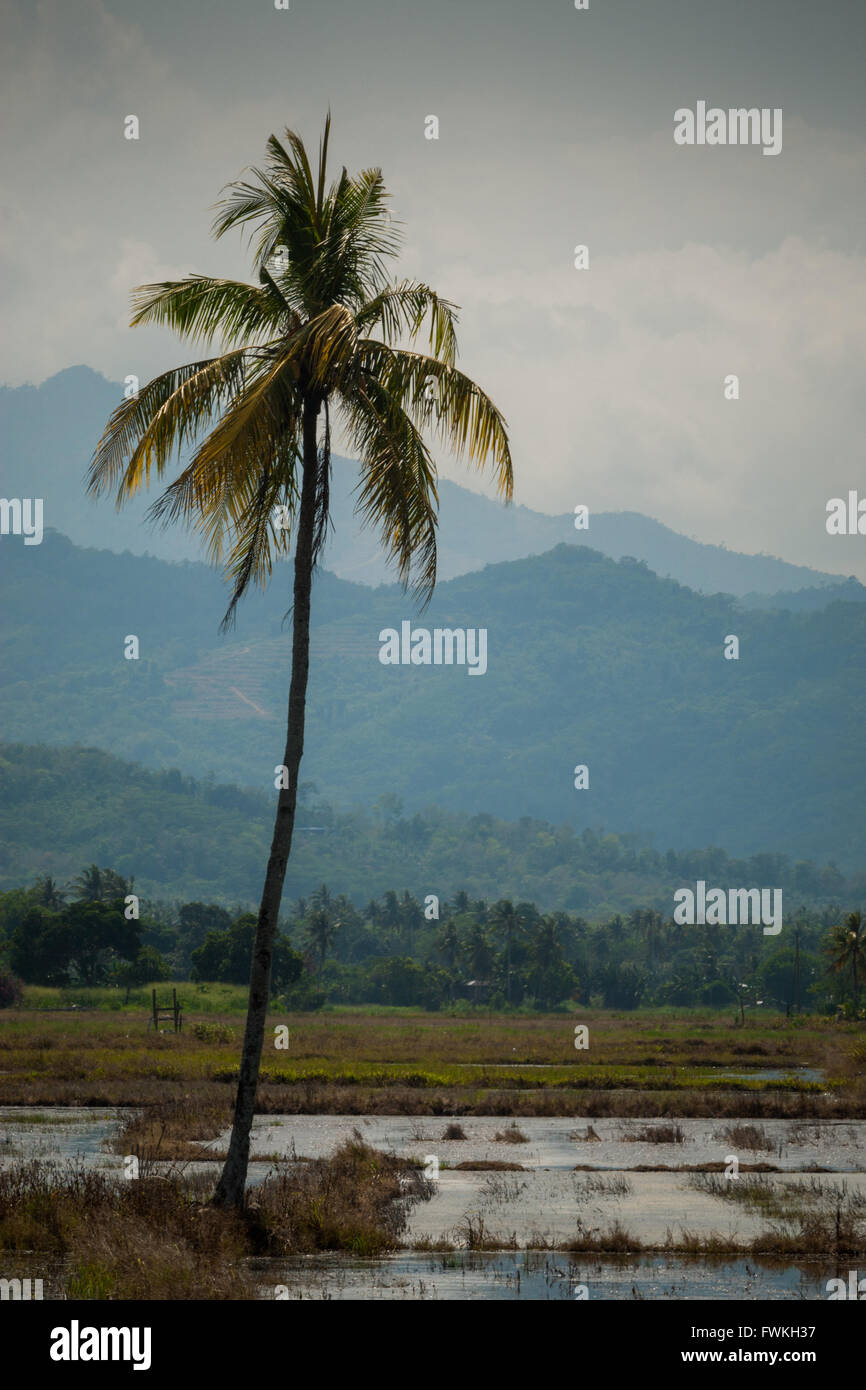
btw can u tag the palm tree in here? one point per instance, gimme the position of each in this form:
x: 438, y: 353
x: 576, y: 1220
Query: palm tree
x: 505, y: 923
x: 100, y: 885
x: 447, y: 948
x: 89, y: 886
x: 320, y: 331
x: 48, y: 893
x: 845, y: 948
x: 321, y: 897
x: 319, y: 932
x: 477, y: 952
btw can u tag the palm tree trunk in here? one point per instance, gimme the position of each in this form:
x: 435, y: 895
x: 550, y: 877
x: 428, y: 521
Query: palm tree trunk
x: 232, y: 1184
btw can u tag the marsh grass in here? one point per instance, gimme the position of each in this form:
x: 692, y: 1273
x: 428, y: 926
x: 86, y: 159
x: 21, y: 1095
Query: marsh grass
x: 511, y: 1134
x: 615, y: 1239
x: 473, y: 1233
x: 486, y: 1165
x: 150, y: 1238
x: 499, y: 1188
x: 158, y: 1238
x: 595, y: 1185
x: 400, y: 1062
x: 749, y: 1137
x: 656, y: 1134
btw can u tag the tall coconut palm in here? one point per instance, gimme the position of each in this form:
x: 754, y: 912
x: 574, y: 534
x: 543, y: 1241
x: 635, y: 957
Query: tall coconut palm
x: 846, y: 947
x: 322, y: 330
x: 506, y: 923
x: 319, y: 933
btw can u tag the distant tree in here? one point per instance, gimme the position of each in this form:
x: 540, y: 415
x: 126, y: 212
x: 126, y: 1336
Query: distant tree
x: 550, y: 978
x: 411, y: 918
x: 506, y: 923
x: 100, y: 885
x: 319, y: 933
x: 81, y: 942
x: 196, y: 919
x: 39, y: 950
x: 321, y: 898
x: 148, y: 967
x: 48, y: 893
x: 11, y: 989
x: 399, y: 981
x: 845, y: 948
x: 224, y: 956
x: 448, y: 942
x: 477, y: 952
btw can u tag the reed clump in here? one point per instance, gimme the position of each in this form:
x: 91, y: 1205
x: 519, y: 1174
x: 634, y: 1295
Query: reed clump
x: 158, y: 1237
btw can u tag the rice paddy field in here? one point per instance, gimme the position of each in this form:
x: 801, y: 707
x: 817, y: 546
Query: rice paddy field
x: 399, y: 1154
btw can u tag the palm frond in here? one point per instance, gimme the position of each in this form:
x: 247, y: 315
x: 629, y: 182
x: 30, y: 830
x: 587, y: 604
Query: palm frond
x: 258, y: 434
x: 397, y: 491
x: 466, y: 420
x: 403, y: 308
x: 201, y: 307
x: 145, y: 431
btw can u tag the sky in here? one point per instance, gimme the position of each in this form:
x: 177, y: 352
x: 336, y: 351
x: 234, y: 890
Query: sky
x: 555, y: 129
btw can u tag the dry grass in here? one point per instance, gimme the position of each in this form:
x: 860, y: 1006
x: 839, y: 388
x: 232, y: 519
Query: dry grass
x: 148, y: 1239
x: 656, y: 1134
x: 356, y: 1200
x: 614, y: 1240
x: 511, y: 1134
x: 750, y: 1137
x: 110, y: 1058
x: 487, y: 1165
x: 157, y: 1238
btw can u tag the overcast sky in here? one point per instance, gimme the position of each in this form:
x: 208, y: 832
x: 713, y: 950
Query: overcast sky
x: 556, y: 128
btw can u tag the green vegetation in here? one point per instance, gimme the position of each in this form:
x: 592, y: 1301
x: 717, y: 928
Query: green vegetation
x: 401, y: 1061
x: 477, y: 955
x: 183, y: 839
x: 579, y: 646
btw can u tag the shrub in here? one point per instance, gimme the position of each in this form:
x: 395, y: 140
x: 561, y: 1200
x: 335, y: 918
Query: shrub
x: 214, y: 1032
x: 11, y: 990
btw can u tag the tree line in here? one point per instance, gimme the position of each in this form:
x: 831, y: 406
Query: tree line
x: 461, y: 953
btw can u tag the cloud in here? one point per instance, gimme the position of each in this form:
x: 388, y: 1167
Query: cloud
x: 703, y: 262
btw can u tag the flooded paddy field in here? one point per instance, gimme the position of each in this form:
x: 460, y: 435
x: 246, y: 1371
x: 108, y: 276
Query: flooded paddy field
x: 548, y: 1277
x: 650, y: 1200
x: 679, y: 1159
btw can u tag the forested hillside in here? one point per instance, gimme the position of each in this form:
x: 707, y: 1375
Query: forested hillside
x: 589, y: 662
x: 179, y: 838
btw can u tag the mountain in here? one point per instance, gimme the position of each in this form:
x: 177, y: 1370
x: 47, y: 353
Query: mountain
x: 799, y: 600
x: 589, y: 661
x: 49, y: 433
x: 181, y: 839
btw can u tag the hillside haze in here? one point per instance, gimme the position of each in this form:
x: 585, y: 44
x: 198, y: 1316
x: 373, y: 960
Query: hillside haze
x: 49, y: 432
x: 589, y: 661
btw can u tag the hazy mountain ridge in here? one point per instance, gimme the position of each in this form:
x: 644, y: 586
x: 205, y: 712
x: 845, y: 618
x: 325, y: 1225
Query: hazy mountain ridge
x: 589, y: 662
x: 48, y: 434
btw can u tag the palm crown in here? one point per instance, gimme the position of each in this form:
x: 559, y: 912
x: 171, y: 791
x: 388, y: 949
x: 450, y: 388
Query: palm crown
x: 323, y: 328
